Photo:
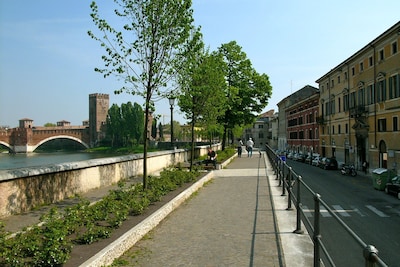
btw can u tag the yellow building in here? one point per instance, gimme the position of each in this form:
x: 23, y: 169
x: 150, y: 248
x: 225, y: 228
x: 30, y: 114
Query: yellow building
x: 360, y: 105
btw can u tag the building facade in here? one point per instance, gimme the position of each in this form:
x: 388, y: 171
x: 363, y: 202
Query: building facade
x: 360, y: 105
x: 300, y: 111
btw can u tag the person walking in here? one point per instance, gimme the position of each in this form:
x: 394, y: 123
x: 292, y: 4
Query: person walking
x: 240, y: 148
x: 249, y: 147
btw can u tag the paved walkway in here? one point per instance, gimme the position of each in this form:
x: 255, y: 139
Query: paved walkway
x: 230, y: 222
x: 237, y: 219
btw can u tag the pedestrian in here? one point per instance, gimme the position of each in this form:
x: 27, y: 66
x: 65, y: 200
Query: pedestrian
x: 212, y: 157
x: 240, y: 147
x: 365, y: 166
x: 249, y: 147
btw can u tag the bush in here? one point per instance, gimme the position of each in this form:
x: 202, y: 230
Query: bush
x: 51, y: 243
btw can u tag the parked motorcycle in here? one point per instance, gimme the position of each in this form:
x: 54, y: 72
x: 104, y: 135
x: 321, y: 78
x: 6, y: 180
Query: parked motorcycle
x: 348, y: 170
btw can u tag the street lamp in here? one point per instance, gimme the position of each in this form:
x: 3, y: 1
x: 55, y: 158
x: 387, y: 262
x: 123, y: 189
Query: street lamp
x: 171, y: 102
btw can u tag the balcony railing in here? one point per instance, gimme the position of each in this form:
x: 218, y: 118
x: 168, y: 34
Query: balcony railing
x: 358, y: 111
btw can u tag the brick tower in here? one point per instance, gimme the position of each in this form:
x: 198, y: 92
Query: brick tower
x: 98, y: 110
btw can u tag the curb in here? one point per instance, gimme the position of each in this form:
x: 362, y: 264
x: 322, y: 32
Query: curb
x: 114, y: 250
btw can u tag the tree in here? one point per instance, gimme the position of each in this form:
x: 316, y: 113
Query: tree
x: 148, y: 50
x: 203, y: 99
x: 247, y: 93
x: 49, y: 124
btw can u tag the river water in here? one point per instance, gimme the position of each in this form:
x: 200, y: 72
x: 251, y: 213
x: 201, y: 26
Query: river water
x: 16, y: 161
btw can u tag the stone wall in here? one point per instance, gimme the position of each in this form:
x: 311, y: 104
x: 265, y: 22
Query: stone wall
x: 24, y: 189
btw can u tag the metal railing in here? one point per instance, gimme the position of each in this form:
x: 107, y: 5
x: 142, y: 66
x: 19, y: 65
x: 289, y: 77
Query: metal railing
x: 290, y: 181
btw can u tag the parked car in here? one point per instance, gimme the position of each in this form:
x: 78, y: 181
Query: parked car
x: 393, y: 186
x: 301, y: 157
x: 308, y: 159
x: 289, y: 155
x: 329, y: 164
x: 315, y: 161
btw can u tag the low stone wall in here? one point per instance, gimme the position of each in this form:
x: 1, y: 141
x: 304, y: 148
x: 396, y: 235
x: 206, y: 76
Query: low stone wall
x: 24, y: 189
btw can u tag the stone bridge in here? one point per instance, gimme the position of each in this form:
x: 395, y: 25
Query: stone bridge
x: 25, y: 140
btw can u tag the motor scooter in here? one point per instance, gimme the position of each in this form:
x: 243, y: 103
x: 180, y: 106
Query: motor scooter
x: 348, y: 170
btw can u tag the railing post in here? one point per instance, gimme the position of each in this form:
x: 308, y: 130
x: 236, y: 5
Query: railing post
x: 277, y: 170
x: 316, y: 236
x: 289, y: 188
x: 371, y: 256
x: 298, y: 207
x: 283, y: 180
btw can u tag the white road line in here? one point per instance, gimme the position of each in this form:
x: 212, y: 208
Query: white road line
x: 324, y: 212
x: 356, y: 210
x: 393, y: 210
x: 340, y: 210
x: 376, y: 211
x: 307, y: 211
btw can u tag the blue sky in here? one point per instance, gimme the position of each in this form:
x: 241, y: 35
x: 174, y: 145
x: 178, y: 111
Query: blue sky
x: 47, y: 58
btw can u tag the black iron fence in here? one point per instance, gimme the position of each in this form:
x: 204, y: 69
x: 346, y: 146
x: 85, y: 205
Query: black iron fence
x: 295, y: 188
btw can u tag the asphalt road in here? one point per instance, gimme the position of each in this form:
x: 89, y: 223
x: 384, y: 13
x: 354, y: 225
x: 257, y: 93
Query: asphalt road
x: 370, y: 213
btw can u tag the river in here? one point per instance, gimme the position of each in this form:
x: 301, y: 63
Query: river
x: 16, y: 161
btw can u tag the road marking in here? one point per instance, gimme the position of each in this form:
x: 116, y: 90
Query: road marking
x: 307, y: 211
x: 376, y: 211
x: 324, y: 212
x: 340, y: 210
x: 356, y: 210
x: 393, y: 210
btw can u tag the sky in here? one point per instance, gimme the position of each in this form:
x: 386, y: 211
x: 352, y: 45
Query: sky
x: 47, y: 60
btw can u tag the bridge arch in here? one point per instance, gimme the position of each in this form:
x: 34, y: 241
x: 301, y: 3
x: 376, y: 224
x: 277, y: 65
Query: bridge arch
x: 59, y: 137
x: 6, y: 145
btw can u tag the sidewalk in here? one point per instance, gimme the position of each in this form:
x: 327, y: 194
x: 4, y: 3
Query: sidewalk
x: 239, y: 218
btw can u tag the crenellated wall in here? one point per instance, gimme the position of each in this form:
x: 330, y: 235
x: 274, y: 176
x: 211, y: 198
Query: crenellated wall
x: 24, y: 189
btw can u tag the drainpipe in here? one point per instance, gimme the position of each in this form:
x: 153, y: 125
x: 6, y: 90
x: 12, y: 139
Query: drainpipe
x: 375, y: 130
x: 348, y: 106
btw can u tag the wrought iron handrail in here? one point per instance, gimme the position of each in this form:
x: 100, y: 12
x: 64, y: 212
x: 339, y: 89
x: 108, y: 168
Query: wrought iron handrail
x: 287, y: 178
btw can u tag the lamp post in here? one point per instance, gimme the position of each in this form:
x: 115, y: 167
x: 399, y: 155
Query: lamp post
x: 171, y: 103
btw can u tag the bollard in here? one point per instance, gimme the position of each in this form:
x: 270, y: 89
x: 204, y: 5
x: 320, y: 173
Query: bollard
x: 371, y: 255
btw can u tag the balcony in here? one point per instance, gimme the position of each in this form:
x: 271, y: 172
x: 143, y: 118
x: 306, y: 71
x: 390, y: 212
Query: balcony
x: 358, y: 111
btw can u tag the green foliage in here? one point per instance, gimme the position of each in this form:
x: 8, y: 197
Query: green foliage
x: 247, y: 92
x: 51, y: 243
x: 125, y: 125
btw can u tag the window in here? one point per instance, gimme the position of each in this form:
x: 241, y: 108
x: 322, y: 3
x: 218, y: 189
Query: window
x: 353, y: 71
x: 346, y: 128
x: 381, y: 92
x: 394, y: 48
x: 394, y: 86
x: 381, y: 55
x: 352, y: 103
x: 370, y: 61
x: 370, y: 94
x: 339, y: 104
x: 310, y: 134
x: 332, y: 83
x: 361, y: 66
x: 395, y: 124
x: 260, y: 126
x: 345, y: 102
x: 333, y: 129
x: 339, y: 129
x: 381, y: 125
x: 345, y: 75
x: 261, y: 135
x: 338, y: 79
x: 301, y: 135
x: 361, y: 97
